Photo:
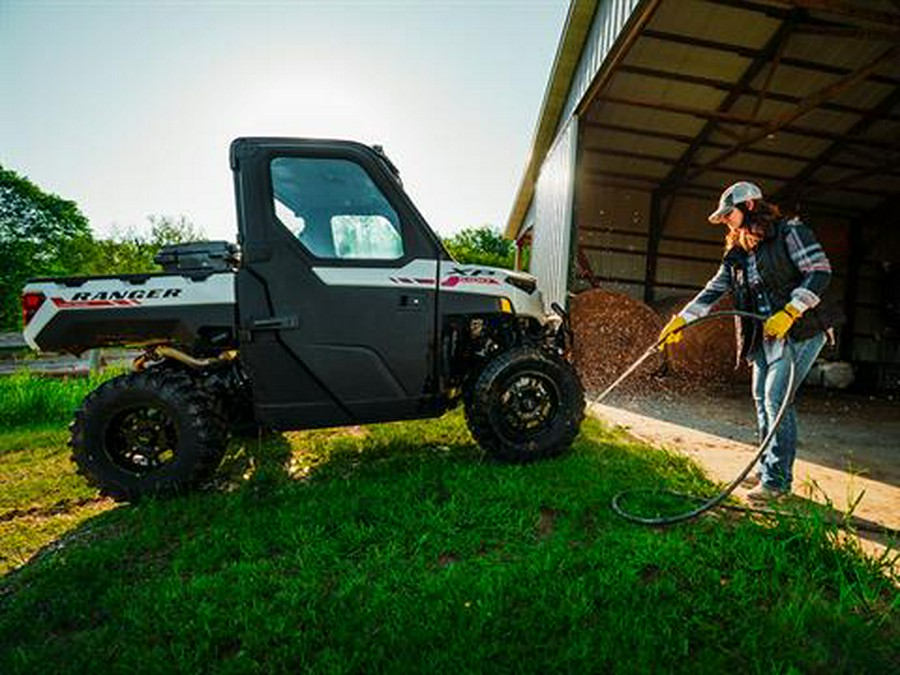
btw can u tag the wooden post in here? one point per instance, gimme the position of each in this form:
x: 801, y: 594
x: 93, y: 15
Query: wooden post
x: 94, y: 361
x: 653, y: 245
x: 851, y: 285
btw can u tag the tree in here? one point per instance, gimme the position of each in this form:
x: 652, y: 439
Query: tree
x: 166, y: 230
x: 132, y: 251
x: 40, y: 234
x: 482, y: 246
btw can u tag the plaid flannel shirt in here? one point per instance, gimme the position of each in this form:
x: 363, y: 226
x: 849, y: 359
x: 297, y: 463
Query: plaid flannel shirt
x: 805, y: 252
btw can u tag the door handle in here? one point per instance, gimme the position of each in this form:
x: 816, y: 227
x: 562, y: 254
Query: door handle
x: 275, y: 323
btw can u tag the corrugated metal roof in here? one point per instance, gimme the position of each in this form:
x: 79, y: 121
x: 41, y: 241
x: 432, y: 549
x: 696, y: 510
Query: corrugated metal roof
x: 578, y: 23
x: 801, y: 95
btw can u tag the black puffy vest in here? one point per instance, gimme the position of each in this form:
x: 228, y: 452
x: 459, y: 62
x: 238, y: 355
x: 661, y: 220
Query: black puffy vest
x: 779, y: 276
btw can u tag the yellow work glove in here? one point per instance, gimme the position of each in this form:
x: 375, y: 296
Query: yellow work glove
x: 671, y: 332
x: 778, y: 325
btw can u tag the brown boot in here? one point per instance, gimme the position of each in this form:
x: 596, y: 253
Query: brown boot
x: 750, y: 481
x: 762, y: 494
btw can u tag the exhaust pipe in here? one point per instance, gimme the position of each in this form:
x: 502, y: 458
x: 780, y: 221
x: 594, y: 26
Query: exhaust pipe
x: 160, y: 352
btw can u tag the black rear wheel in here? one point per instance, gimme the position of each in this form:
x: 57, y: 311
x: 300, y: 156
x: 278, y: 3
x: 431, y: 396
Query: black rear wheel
x: 153, y: 432
x: 525, y: 405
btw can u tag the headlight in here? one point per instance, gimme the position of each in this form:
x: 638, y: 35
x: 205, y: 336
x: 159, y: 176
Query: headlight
x: 523, y: 283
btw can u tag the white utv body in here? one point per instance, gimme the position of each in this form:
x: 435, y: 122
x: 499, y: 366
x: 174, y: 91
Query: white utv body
x: 339, y: 306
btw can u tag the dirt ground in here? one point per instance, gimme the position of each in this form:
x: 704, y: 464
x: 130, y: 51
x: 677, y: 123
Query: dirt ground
x: 848, y: 444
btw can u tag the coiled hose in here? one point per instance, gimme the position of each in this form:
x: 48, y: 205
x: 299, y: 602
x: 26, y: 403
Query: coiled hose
x: 716, y: 501
x: 707, y: 503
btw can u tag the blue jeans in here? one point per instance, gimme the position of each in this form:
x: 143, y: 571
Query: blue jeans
x: 770, y: 380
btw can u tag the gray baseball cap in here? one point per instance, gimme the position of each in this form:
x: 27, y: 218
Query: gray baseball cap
x: 740, y: 192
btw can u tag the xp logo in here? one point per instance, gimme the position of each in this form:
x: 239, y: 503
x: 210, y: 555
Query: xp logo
x: 471, y: 276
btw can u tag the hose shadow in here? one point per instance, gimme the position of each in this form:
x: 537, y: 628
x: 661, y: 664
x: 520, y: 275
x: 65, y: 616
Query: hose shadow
x: 819, y: 507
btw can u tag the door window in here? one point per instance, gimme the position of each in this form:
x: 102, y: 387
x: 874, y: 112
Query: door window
x: 334, y: 209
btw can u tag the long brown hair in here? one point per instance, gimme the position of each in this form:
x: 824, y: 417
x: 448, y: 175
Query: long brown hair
x: 758, y: 225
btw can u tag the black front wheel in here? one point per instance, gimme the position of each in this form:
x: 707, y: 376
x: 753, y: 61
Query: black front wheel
x: 153, y: 432
x: 525, y: 405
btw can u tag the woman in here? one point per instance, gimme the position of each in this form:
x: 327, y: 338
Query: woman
x: 773, y: 267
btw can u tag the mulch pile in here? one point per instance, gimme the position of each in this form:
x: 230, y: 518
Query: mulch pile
x: 612, y: 330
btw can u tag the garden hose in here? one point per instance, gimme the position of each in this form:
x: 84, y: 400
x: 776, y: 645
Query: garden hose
x: 716, y: 501
x: 713, y: 502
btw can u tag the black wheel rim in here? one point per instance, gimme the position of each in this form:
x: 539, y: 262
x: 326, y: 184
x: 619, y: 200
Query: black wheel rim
x: 527, y: 405
x: 141, y: 440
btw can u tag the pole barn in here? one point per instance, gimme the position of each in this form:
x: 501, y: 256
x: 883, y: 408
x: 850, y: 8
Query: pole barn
x: 655, y: 106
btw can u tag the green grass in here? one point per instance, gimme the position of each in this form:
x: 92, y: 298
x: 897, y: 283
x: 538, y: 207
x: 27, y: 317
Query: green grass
x: 399, y: 548
x: 32, y: 400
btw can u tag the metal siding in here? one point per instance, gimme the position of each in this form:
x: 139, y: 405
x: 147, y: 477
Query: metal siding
x: 553, y: 199
x: 611, y: 17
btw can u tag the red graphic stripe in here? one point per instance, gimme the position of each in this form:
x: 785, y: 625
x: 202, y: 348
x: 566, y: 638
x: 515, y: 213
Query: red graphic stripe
x: 91, y: 304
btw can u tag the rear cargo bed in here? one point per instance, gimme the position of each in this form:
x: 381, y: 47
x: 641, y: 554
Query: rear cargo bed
x: 194, y: 309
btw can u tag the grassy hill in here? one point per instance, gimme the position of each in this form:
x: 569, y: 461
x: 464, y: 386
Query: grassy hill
x: 400, y: 548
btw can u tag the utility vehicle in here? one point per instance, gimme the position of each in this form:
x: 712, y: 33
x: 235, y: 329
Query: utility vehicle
x: 337, y: 306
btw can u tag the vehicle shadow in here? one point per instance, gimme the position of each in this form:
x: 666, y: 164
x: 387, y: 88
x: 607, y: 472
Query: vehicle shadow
x: 271, y: 471
x: 273, y: 457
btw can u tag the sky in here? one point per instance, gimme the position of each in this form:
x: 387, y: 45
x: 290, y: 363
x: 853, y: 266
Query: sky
x: 128, y: 107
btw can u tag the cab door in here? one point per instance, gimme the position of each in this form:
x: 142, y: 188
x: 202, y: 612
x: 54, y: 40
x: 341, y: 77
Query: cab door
x: 337, y: 287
